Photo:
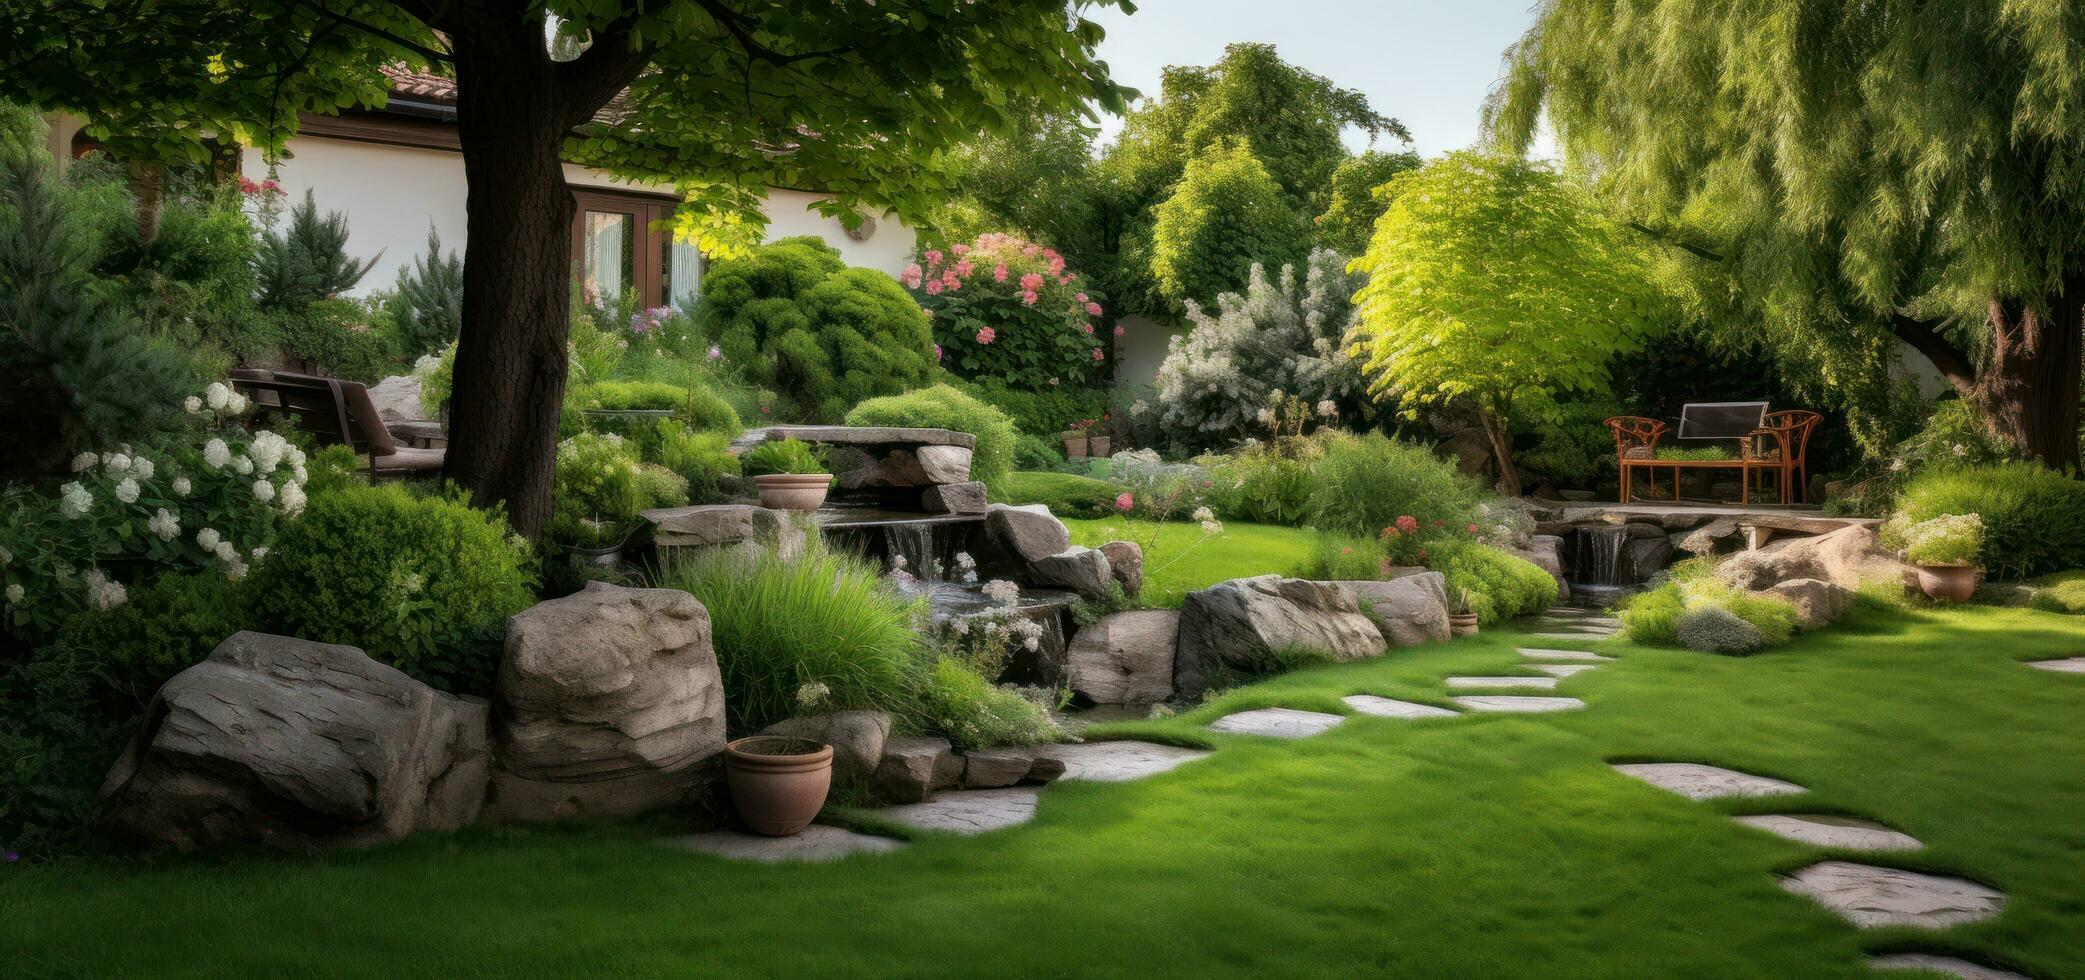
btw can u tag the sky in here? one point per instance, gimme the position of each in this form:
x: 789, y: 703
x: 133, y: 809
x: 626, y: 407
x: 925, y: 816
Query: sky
x: 1429, y: 63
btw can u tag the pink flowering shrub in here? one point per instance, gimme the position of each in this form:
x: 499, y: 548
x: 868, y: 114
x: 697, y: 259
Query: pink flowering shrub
x: 1007, y: 310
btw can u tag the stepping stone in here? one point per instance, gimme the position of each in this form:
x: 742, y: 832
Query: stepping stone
x: 970, y: 811
x: 1871, y: 897
x: 1120, y: 762
x: 1542, y: 653
x: 1563, y: 670
x: 2068, y: 665
x: 1517, y: 703
x: 1825, y: 830
x: 1369, y: 704
x: 1469, y: 682
x: 1579, y: 626
x: 816, y: 843
x: 1699, y: 782
x: 1569, y: 636
x: 1941, y: 964
x: 1277, y: 723
x: 1566, y: 611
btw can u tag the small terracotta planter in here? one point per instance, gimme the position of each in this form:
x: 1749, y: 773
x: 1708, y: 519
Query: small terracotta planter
x: 1097, y: 446
x: 1075, y: 445
x: 1462, y: 624
x: 778, y: 782
x: 1948, y: 583
x: 793, y: 491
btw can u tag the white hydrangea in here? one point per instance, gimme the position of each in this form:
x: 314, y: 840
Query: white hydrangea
x: 216, y: 454
x: 182, y: 486
x: 74, y: 500
x: 192, y: 405
x: 5, y: 556
x: 102, y: 593
x: 116, y: 462
x: 1328, y: 408
x: 164, y: 524
x: 242, y: 465
x: 208, y: 539
x: 235, y: 569
x: 267, y: 449
x: 225, y: 552
x: 144, y: 468
x: 426, y: 364
x: 15, y: 593
x: 127, y: 490
x: 292, y: 498
x: 84, y: 462
x: 217, y: 396
x: 294, y: 455
x: 263, y: 491
x: 259, y: 553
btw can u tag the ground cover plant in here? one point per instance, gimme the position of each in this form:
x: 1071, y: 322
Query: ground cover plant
x: 1465, y: 846
x: 1242, y: 550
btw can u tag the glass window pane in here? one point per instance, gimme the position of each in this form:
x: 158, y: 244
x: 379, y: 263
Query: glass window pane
x: 608, y: 262
x: 683, y: 273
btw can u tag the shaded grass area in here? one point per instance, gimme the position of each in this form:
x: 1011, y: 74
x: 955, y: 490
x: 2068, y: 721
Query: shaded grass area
x: 1242, y: 550
x: 1496, y: 845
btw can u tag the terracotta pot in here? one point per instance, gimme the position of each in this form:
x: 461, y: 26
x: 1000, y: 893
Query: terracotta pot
x: 778, y: 782
x: 1097, y: 446
x: 1075, y: 445
x: 1948, y: 583
x: 793, y: 491
x: 1462, y: 624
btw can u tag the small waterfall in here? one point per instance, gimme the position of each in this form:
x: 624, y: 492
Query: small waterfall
x: 1596, y: 554
x: 926, y: 544
x: 918, y: 545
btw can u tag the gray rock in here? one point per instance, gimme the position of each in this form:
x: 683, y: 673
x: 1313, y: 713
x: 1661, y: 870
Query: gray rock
x: 1409, y: 610
x: 1696, y: 781
x: 973, y: 811
x: 1126, y: 563
x: 1125, y: 657
x: 857, y: 739
x: 1846, y: 558
x: 918, y: 466
x: 1872, y: 897
x: 744, y: 526
x: 1369, y: 704
x: 1932, y: 963
x: 2067, y: 665
x: 1120, y: 761
x: 610, y: 704
x: 1006, y: 765
x: 1081, y: 570
x: 1823, y: 830
x: 397, y: 399
x: 1817, y: 602
x: 814, y: 843
x: 1546, y: 552
x: 1708, y: 539
x: 1277, y: 723
x: 1645, y: 557
x: 1517, y: 703
x: 954, y: 498
x: 288, y: 743
x: 1488, y: 683
x: 857, y: 435
x: 914, y: 767
x: 1024, y: 534
x: 1239, y: 626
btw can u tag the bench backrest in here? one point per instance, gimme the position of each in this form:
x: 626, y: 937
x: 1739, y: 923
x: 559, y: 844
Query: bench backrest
x: 1720, y: 420
x: 334, y: 412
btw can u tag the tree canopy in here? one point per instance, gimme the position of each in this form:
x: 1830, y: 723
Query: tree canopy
x: 1847, y: 174
x: 1493, y: 284
x: 1226, y: 215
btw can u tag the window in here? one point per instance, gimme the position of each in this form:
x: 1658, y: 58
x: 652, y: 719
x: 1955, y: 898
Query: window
x: 618, y: 249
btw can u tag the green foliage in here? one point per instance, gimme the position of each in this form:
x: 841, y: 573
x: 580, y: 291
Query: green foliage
x: 1714, y: 629
x: 1066, y: 494
x: 964, y: 706
x: 1572, y: 448
x: 75, y: 368
x: 2034, y: 517
x: 703, y: 459
x: 805, y: 634
x: 599, y: 490
x: 1652, y: 617
x: 1036, y: 452
x: 167, y: 626
x: 1346, y: 557
x: 795, y: 318
x: 1044, y: 410
x: 307, y: 261
x: 1007, y: 310
x: 1694, y: 453
x: 694, y: 406
x: 1365, y: 483
x: 56, y: 744
x: 945, y: 407
x: 782, y: 456
x: 660, y: 486
x: 424, y: 583
x: 2062, y: 592
x: 1498, y: 585
x: 1227, y: 214
x: 1261, y: 486
x: 429, y: 305
x: 332, y: 468
x: 338, y: 336
x: 1954, y: 539
x: 1272, y: 341
x: 1494, y: 284
x: 1693, y: 608
x: 1353, y: 206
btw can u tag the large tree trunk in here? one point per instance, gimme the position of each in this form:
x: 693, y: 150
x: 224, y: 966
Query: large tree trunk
x: 1499, y: 430
x: 2027, y: 384
x: 510, y: 363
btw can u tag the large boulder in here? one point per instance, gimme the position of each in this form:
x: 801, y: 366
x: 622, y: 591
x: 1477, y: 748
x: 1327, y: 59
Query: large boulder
x: 1409, y: 610
x: 1817, y: 602
x: 609, y: 703
x: 1126, y: 563
x: 1546, y: 551
x: 1717, y: 535
x: 1647, y: 556
x: 954, y: 498
x: 915, y: 767
x: 1125, y: 657
x: 1081, y: 570
x: 743, y: 526
x: 857, y: 738
x: 1846, y: 558
x: 1012, y: 538
x: 289, y: 743
x: 397, y: 399
x: 1240, y: 626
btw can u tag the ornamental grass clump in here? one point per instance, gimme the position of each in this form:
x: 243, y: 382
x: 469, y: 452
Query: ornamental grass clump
x: 1693, y: 609
x: 782, y: 456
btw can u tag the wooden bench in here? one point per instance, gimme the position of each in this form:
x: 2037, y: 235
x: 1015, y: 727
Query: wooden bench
x: 337, y: 413
x: 1763, y: 443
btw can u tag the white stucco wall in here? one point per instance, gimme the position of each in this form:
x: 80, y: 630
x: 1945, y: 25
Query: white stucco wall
x: 1141, y: 349
x: 391, y: 194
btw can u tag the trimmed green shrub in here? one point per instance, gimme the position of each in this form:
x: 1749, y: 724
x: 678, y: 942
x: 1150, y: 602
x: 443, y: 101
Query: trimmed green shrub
x: 1066, y: 494
x: 1036, y: 452
x: 1261, y: 486
x: 658, y: 486
x: 1652, y: 617
x: 1337, y: 557
x: 424, y: 583
x: 812, y: 633
x: 169, y: 625
x: 1661, y: 616
x: 1714, y: 629
x: 793, y: 317
x: 944, y: 407
x: 338, y: 335
x: 1043, y: 412
x: 965, y: 707
x: 2062, y: 592
x: 2034, y: 517
x: 1498, y: 585
x: 1365, y: 483
x: 703, y: 459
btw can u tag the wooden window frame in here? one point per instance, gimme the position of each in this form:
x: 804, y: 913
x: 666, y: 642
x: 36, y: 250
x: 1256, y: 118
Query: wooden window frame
x: 647, y: 250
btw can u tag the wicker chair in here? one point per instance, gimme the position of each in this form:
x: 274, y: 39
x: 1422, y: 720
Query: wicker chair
x: 1635, y: 446
x: 1782, y: 446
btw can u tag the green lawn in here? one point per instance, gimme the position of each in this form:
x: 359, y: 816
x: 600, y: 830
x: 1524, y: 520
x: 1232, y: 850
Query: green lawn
x: 1176, y: 564
x: 1478, y: 846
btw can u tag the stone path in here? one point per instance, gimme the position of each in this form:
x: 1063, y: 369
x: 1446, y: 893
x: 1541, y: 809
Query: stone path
x: 1517, y: 704
x: 1699, y: 782
x: 1941, y: 964
x: 2068, y: 665
x: 1501, y: 682
x: 1871, y: 897
x: 1575, y: 656
x: 1369, y: 704
x: 1277, y: 723
x: 969, y: 811
x: 816, y: 843
x: 1563, y: 670
x: 1843, y: 833
x: 1120, y: 762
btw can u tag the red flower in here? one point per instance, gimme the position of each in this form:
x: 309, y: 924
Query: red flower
x: 1409, y: 524
x: 1473, y: 529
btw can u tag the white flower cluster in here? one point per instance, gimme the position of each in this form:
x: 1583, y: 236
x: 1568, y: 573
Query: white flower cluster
x: 1002, y: 591
x: 75, y: 500
x: 102, y: 593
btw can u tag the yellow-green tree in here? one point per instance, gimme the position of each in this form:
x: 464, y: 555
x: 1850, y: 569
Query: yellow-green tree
x: 1495, y: 285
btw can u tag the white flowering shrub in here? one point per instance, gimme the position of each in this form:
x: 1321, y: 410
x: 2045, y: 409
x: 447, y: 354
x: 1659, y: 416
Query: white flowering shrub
x: 212, y: 502
x: 1284, y: 337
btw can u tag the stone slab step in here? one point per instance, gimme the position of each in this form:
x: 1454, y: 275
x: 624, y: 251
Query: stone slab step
x: 1517, y: 703
x: 1277, y: 723
x: 1696, y: 781
x: 1369, y: 704
x: 816, y: 843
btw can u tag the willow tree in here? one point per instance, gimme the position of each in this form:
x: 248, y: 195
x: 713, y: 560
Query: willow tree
x: 1495, y: 286
x: 720, y: 98
x: 1857, y: 171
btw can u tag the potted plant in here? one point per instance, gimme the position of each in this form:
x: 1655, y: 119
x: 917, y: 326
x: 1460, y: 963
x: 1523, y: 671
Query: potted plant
x: 790, y: 474
x: 778, y: 782
x: 1075, y: 441
x: 1097, y: 445
x: 1944, y: 552
x: 1461, y: 621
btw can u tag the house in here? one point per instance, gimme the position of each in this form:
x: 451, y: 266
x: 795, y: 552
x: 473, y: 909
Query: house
x: 396, y: 171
